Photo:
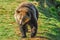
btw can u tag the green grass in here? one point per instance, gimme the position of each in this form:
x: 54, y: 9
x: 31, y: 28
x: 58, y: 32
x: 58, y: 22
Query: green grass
x: 48, y: 26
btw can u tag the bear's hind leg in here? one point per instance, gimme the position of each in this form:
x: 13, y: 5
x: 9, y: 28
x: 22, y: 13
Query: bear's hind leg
x: 34, y: 30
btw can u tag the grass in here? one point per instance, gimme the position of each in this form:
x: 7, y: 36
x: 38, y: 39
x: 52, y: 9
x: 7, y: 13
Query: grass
x: 48, y: 26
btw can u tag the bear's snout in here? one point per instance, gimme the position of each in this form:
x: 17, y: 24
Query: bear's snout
x: 24, y: 20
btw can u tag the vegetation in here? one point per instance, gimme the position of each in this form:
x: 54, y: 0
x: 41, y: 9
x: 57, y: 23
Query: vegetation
x: 48, y: 23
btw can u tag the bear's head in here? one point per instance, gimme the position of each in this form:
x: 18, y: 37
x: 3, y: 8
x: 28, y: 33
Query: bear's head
x: 22, y: 15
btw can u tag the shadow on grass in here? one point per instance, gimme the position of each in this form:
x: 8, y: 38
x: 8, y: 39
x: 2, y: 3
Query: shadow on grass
x: 54, y: 36
x: 51, y: 35
x: 48, y: 8
x: 51, y: 12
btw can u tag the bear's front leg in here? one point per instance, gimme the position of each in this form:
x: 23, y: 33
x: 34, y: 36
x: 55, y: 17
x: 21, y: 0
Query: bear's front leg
x: 23, y: 31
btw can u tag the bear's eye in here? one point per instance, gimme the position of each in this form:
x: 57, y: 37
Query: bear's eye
x: 28, y: 14
x: 18, y: 11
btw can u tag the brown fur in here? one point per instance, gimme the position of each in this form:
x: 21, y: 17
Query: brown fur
x: 27, y: 13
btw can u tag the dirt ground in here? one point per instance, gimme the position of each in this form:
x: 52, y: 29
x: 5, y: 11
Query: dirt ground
x: 34, y: 39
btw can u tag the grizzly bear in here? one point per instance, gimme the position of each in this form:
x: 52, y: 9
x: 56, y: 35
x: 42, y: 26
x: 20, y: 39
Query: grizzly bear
x: 26, y: 13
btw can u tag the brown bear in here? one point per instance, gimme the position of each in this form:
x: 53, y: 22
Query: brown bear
x: 26, y: 13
